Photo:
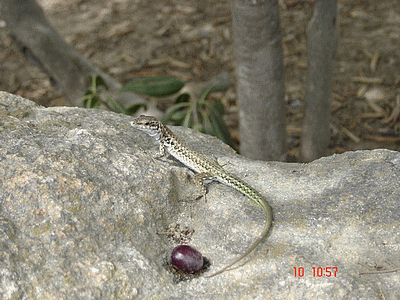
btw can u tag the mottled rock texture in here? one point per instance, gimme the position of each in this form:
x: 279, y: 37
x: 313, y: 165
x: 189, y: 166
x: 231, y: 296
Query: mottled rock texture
x: 84, y: 211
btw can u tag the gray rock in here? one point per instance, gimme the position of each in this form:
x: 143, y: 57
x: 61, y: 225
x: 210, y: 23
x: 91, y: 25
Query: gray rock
x: 84, y: 209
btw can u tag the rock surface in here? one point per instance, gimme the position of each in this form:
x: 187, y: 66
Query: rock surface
x: 84, y: 210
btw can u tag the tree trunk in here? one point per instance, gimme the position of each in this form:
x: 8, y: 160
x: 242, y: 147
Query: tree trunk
x: 260, y: 75
x: 68, y: 70
x: 321, y: 44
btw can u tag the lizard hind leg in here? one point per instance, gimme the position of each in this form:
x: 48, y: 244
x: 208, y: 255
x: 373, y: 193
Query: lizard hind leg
x: 201, y: 180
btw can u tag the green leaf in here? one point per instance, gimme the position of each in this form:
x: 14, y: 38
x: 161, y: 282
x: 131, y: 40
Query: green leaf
x: 204, y: 93
x: 156, y: 86
x: 178, y: 117
x: 171, y: 114
x: 221, y: 130
x: 185, y: 97
x: 117, y: 107
x: 99, y: 81
x: 207, y: 125
x: 218, y: 83
x: 134, y: 108
x: 88, y: 92
x: 198, y: 127
x: 91, y: 101
x: 186, y: 119
x: 219, y: 107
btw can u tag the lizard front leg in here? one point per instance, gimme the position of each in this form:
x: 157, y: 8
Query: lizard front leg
x: 201, y: 179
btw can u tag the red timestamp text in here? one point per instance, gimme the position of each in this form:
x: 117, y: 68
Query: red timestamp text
x: 316, y: 271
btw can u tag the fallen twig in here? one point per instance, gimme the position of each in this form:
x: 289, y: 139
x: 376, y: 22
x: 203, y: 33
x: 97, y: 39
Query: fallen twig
x: 367, y: 80
x: 375, y: 107
x: 351, y: 135
x: 383, y: 139
x: 394, y: 115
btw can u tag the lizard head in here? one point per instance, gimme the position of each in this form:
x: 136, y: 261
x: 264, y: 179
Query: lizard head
x: 149, y: 125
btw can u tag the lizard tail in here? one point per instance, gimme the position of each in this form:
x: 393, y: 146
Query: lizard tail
x: 268, y: 213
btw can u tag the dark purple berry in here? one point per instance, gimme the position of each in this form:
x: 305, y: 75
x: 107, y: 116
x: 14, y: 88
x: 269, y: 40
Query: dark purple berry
x: 186, y: 259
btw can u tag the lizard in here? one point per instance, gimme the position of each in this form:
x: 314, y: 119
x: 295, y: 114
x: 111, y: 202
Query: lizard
x: 206, y: 168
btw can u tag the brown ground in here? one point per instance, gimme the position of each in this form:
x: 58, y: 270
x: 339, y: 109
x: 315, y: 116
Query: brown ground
x: 192, y: 40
